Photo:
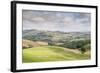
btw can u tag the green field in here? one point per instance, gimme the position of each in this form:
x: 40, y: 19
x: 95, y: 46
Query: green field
x: 51, y: 53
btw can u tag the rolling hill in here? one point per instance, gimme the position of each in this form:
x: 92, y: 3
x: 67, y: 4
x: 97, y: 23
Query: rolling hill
x: 55, y: 36
x: 51, y: 53
x: 43, y: 46
x: 29, y: 43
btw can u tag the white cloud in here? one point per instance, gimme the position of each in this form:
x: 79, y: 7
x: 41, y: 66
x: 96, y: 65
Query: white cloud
x: 56, y: 21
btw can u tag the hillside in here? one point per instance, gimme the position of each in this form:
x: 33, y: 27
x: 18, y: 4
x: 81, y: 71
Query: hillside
x: 55, y: 37
x: 28, y: 43
x: 42, y: 46
x: 51, y: 53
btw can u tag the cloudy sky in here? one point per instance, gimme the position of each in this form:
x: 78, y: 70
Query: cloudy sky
x: 56, y: 21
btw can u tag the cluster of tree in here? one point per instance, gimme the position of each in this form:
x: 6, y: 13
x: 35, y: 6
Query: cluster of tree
x: 81, y: 44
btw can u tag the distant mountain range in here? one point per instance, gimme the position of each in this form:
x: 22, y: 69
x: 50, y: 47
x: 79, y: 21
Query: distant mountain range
x: 56, y: 36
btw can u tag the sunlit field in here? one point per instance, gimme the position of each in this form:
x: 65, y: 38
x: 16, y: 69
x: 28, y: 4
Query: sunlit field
x: 52, y: 53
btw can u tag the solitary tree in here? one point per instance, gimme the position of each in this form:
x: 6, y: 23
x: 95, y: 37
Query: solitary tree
x: 83, y: 50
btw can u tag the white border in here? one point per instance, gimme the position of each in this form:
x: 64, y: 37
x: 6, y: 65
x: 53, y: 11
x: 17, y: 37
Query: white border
x: 37, y: 65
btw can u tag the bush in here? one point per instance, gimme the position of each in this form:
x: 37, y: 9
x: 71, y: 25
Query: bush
x: 83, y: 50
x: 87, y: 47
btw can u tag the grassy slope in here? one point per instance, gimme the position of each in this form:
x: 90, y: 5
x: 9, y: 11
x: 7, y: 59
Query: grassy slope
x: 51, y: 53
